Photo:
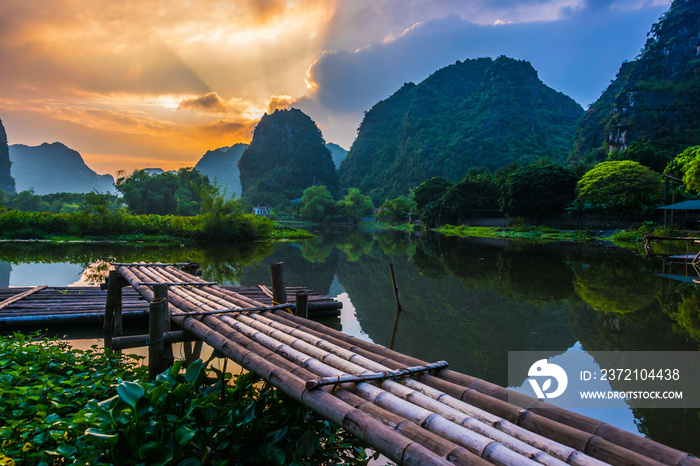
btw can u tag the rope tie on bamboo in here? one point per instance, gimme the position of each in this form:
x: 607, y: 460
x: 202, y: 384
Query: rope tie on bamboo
x: 286, y: 308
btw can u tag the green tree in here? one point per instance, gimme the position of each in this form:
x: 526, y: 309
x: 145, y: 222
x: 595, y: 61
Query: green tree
x: 429, y: 198
x: 317, y: 204
x: 620, y: 188
x: 644, y: 153
x: 28, y: 202
x: 355, y: 205
x: 164, y: 194
x: 475, y: 196
x: 431, y: 190
x: 96, y: 203
x: 540, y: 188
x: 681, y: 162
x: 395, y: 210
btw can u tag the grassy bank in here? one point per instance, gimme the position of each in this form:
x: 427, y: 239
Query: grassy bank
x: 65, y: 406
x: 121, y: 226
x: 529, y: 232
x: 628, y: 238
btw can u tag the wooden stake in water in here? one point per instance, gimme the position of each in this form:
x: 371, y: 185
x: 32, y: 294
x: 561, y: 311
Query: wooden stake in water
x: 398, y: 306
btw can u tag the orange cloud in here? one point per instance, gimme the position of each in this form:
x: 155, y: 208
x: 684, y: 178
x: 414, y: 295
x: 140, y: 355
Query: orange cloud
x: 279, y: 102
x: 209, y: 102
x: 109, y: 77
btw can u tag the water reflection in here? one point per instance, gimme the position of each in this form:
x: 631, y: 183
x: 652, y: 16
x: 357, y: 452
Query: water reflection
x: 468, y: 301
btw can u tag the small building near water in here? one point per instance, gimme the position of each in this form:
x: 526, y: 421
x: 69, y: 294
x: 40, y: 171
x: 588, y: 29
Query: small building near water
x: 262, y: 210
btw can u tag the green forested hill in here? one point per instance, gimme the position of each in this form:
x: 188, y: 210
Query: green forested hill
x: 480, y: 112
x: 286, y: 156
x: 7, y: 183
x: 654, y: 98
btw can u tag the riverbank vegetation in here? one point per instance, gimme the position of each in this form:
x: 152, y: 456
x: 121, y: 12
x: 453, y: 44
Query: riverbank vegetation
x: 184, y: 206
x: 166, y: 207
x: 627, y: 186
x: 66, y: 406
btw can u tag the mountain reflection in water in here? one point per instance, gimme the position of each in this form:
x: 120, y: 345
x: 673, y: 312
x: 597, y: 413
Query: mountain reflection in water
x: 467, y: 301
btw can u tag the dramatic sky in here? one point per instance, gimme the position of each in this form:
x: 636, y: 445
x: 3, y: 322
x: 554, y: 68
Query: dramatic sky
x: 153, y: 83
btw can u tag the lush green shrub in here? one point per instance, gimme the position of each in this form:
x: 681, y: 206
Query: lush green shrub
x: 395, y: 210
x: 163, y: 194
x: 210, y: 226
x: 620, y: 188
x: 65, y: 406
x: 355, y: 205
x: 317, y: 204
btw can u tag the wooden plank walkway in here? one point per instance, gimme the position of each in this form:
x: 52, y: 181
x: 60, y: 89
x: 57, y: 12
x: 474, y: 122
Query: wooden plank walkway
x: 44, y: 306
x: 443, y: 417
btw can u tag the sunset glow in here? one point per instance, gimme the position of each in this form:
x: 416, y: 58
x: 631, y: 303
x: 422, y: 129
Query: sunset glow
x: 142, y: 83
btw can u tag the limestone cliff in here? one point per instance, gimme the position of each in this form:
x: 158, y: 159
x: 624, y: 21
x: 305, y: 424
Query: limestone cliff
x: 653, y: 98
x: 7, y: 183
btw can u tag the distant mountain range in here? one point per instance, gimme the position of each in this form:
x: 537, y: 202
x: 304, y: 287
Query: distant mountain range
x: 54, y: 168
x: 475, y: 113
x: 7, y: 183
x: 221, y: 166
x: 338, y: 154
x: 653, y: 98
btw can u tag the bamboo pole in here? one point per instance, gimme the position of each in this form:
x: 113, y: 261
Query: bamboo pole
x: 596, y: 442
x: 384, y: 439
x: 474, y: 435
x: 457, y: 454
x: 20, y: 296
x: 559, y: 429
x: 301, y: 358
x: 189, y: 283
x: 306, y: 361
x: 494, y: 451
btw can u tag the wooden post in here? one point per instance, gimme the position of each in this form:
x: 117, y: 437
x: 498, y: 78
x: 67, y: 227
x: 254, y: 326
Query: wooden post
x: 279, y: 290
x: 113, y: 293
x: 161, y: 291
x: 118, y: 325
x: 302, y: 304
x: 164, y: 349
x: 157, y: 361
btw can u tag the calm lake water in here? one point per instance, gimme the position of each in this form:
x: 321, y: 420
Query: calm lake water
x: 467, y: 301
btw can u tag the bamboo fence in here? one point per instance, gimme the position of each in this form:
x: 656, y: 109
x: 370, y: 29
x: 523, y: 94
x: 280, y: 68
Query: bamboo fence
x: 443, y: 417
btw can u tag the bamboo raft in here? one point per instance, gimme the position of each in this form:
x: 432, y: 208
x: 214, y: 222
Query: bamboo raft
x: 44, y: 306
x: 435, y: 416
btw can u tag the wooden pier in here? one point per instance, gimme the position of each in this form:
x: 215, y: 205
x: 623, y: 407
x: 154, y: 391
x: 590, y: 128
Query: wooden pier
x: 42, y: 306
x: 435, y: 416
